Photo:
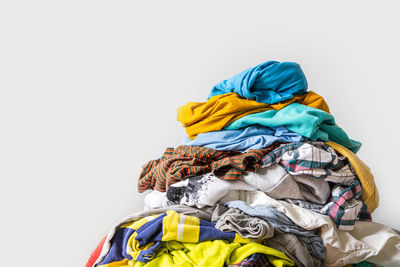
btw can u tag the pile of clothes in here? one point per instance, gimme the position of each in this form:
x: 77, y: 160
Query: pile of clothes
x: 265, y: 177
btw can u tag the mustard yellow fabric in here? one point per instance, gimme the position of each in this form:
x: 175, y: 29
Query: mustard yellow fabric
x: 370, y: 191
x: 221, y: 110
x: 211, y: 253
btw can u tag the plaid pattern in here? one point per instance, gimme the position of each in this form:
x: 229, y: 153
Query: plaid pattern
x: 254, y: 260
x: 321, y: 161
x: 315, y: 159
x: 346, y: 206
x: 187, y: 161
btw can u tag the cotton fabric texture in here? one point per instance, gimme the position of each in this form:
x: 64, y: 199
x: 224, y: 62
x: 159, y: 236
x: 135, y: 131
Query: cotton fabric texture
x: 276, y: 182
x: 370, y: 241
x: 151, y: 230
x: 235, y: 220
x: 283, y: 224
x: 295, y: 249
x: 221, y: 110
x: 302, y: 171
x: 265, y: 177
x: 143, y: 238
x: 370, y: 193
x: 306, y: 121
x: 269, y: 82
x: 244, y: 139
x: 204, y: 190
x: 346, y: 206
x: 255, y: 260
x: 187, y: 161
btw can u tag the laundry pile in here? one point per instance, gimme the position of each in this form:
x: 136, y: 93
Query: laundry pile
x: 265, y: 177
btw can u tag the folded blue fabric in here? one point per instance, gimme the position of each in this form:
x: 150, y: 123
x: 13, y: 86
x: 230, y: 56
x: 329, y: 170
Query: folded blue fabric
x: 270, y: 82
x: 306, y: 121
x: 242, y: 140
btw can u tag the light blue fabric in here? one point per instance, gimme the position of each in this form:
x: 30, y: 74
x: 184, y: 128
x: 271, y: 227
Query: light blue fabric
x: 270, y: 82
x: 242, y: 140
x: 306, y: 121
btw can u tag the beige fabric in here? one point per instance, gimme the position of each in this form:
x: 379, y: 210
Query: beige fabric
x: 369, y: 241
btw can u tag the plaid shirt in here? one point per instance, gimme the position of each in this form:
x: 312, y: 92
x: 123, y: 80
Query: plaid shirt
x: 254, y: 260
x: 315, y: 159
x: 187, y: 161
x: 346, y: 206
x: 321, y: 161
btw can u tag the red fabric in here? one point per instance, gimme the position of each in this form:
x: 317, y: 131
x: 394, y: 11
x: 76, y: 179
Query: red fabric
x: 96, y: 253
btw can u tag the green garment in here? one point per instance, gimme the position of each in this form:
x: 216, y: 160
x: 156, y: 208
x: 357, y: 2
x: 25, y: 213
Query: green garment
x: 306, y: 121
x: 211, y: 253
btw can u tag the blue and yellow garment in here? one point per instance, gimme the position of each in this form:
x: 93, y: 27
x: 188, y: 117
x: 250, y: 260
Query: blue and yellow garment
x: 139, y: 242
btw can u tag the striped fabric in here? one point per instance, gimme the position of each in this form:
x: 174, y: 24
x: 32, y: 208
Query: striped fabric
x: 346, y: 206
x: 187, y: 161
x: 140, y: 240
x: 321, y: 161
x: 315, y: 159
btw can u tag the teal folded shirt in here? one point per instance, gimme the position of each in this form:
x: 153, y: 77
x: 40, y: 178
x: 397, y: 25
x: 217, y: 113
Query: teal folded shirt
x: 306, y: 121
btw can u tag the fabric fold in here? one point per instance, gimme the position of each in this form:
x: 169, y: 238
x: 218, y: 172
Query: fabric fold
x: 187, y: 161
x: 269, y: 82
x: 242, y: 140
x: 172, y: 238
x: 306, y: 121
x: 221, y: 110
x: 370, y: 193
x: 369, y: 241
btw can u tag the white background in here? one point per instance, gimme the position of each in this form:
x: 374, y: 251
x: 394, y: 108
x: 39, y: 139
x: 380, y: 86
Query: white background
x: 89, y: 92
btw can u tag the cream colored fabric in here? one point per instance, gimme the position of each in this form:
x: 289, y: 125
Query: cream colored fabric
x: 369, y: 241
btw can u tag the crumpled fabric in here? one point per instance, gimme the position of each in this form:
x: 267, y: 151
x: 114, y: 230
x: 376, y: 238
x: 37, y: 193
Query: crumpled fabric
x: 269, y: 82
x: 369, y: 241
x: 203, y: 190
x: 221, y: 110
x: 242, y: 140
x: 276, y: 182
x: 173, y: 253
x: 302, y: 171
x: 370, y: 193
x: 235, y: 220
x: 254, y: 260
x: 294, y: 248
x: 283, y: 224
x: 346, y: 206
x: 312, y: 158
x: 187, y: 161
x: 307, y: 121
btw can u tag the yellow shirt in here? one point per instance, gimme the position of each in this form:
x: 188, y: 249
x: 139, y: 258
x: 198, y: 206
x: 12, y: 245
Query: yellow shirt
x: 221, y: 110
x: 211, y: 253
